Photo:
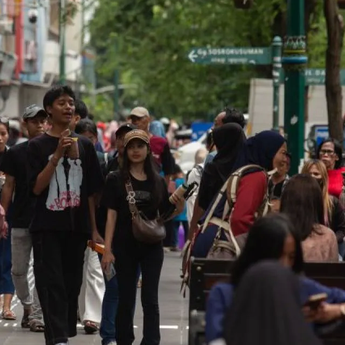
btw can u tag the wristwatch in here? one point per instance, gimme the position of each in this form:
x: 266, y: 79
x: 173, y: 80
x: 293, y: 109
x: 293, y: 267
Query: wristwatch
x: 342, y: 310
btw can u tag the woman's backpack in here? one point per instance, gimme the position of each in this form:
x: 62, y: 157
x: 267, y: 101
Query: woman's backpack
x: 229, y: 246
x: 225, y: 245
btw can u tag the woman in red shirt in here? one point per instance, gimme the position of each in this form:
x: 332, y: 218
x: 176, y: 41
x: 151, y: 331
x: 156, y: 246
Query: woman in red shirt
x: 268, y: 150
x: 330, y: 153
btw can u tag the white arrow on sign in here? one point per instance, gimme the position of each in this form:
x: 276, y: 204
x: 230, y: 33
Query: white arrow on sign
x: 192, y: 56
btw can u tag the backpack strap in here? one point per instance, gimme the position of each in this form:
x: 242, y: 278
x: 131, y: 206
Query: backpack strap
x: 214, y: 205
x: 235, y: 179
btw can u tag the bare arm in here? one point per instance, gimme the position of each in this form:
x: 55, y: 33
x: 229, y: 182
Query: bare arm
x: 44, y: 177
x: 197, y: 214
x: 7, y: 192
x: 96, y: 237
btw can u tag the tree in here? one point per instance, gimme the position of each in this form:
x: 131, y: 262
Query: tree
x: 335, y: 32
x: 154, y: 37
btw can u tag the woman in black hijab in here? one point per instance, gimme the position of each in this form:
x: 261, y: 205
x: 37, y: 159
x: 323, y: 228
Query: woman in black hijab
x: 266, y: 309
x: 228, y: 139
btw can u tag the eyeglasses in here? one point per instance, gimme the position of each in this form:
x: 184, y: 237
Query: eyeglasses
x: 326, y: 152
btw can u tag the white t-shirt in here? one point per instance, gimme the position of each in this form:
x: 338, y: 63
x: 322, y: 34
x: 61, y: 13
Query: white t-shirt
x: 194, y: 176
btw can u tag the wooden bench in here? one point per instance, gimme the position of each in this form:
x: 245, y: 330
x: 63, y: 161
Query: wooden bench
x: 205, y: 273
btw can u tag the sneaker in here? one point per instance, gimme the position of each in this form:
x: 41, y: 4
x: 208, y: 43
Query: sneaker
x: 112, y: 343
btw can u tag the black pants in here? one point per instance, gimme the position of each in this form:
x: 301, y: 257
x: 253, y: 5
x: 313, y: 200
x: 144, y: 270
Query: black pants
x: 127, y: 261
x: 58, y: 268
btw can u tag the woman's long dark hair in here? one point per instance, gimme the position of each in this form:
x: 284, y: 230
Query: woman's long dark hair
x: 265, y: 241
x: 302, y: 202
x: 153, y: 177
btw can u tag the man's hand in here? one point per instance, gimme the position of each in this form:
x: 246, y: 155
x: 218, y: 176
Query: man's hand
x: 4, y: 230
x: 324, y: 314
x: 96, y: 237
x: 65, y: 142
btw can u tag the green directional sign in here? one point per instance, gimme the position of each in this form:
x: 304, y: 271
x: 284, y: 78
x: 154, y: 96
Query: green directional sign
x: 231, y: 56
x: 317, y: 76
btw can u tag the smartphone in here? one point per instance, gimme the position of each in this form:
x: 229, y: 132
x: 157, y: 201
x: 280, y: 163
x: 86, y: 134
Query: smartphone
x: 314, y: 301
x: 110, y: 272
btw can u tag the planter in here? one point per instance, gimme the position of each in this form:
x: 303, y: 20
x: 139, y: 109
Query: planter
x: 244, y: 4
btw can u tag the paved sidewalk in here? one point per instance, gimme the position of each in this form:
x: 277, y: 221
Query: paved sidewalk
x: 173, y: 307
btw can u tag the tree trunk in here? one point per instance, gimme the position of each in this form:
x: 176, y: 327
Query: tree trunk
x: 335, y: 32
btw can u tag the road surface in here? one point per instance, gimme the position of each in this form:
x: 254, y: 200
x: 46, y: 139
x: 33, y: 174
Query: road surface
x: 173, y: 307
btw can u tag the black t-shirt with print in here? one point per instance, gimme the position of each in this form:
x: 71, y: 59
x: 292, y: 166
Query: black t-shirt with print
x: 63, y: 205
x: 114, y: 197
x: 14, y: 164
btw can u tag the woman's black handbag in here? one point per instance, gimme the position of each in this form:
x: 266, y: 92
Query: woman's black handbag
x: 144, y: 230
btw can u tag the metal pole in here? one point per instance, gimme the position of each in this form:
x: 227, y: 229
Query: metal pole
x: 116, y: 85
x: 116, y: 94
x: 294, y: 61
x: 62, y: 34
x: 276, y: 65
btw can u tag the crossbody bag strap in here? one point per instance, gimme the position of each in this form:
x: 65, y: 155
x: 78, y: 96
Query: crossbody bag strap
x: 131, y: 198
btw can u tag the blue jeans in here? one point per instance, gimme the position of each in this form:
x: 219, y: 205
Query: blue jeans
x: 6, y: 283
x: 110, y: 303
x: 109, y: 310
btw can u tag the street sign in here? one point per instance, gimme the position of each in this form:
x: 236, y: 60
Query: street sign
x: 317, y: 76
x: 231, y: 56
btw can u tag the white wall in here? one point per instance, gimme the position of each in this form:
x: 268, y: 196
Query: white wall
x: 261, y: 105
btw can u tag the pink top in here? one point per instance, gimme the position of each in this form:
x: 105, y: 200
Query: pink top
x: 321, y: 245
x: 335, y: 181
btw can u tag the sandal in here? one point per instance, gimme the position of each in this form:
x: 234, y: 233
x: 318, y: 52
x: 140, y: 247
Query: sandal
x: 8, y: 315
x: 90, y: 327
x: 36, y: 326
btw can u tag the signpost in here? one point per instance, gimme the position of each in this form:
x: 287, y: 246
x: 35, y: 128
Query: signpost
x: 317, y: 76
x: 246, y: 56
x: 231, y: 56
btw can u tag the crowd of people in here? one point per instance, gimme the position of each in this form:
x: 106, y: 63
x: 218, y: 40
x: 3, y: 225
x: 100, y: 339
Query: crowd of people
x: 75, y: 182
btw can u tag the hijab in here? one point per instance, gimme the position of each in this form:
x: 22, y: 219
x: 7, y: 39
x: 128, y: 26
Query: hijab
x: 266, y: 309
x: 228, y: 139
x: 157, y: 129
x: 260, y: 149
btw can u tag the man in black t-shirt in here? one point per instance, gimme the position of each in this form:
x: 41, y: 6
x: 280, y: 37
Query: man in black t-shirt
x: 65, y: 175
x: 14, y: 166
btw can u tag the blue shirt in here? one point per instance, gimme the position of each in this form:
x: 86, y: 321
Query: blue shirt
x: 182, y: 217
x: 221, y: 295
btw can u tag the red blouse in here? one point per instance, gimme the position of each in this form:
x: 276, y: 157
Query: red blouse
x: 335, y: 181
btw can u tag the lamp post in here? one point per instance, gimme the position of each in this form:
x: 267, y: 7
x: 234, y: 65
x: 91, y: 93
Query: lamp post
x: 276, y: 66
x: 62, y: 36
x: 294, y: 62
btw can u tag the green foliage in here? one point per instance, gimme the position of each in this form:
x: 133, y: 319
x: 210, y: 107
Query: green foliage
x: 101, y: 106
x: 149, y: 41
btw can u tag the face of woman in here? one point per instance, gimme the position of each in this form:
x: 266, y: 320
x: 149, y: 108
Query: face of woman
x: 280, y: 160
x: 137, y: 151
x: 287, y: 258
x: 328, y: 155
x: 315, y: 172
x: 3, y: 137
x: 90, y: 136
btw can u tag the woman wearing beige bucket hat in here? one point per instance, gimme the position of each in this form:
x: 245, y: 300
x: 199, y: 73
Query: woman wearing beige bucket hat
x: 122, y: 246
